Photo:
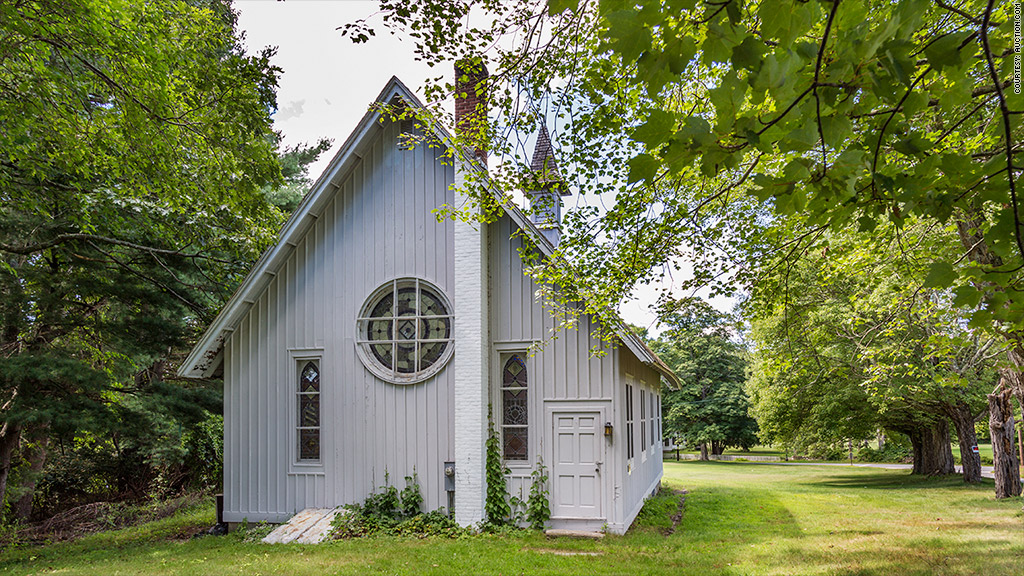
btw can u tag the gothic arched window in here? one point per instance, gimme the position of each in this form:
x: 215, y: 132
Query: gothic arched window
x: 515, y: 409
x: 309, y: 412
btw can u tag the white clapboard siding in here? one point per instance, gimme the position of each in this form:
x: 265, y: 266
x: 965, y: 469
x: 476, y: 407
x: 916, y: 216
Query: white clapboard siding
x: 568, y: 371
x: 378, y: 226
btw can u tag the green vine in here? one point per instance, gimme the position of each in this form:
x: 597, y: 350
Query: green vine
x: 496, y: 508
x: 538, y: 509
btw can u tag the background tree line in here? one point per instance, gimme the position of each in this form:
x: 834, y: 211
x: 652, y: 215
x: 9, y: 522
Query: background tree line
x: 139, y: 179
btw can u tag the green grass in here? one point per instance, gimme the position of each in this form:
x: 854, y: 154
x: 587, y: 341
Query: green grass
x: 754, y: 451
x: 740, y: 518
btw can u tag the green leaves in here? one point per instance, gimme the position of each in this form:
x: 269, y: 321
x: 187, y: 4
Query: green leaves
x: 643, y: 167
x: 946, y: 51
x: 728, y: 99
x: 627, y: 34
x: 940, y: 275
x: 656, y: 130
x: 556, y: 7
x: 785, y: 21
x: 749, y: 54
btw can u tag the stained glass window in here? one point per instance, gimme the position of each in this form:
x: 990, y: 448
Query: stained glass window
x: 308, y: 423
x: 405, y: 331
x: 515, y: 409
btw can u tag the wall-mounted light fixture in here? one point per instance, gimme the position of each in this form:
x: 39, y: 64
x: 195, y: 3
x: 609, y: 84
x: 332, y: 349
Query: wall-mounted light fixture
x: 608, y: 429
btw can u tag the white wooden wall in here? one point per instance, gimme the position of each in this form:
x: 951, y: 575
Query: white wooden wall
x: 566, y: 372
x: 643, y: 477
x: 379, y: 226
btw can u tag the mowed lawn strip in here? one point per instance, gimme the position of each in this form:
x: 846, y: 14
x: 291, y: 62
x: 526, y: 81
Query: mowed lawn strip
x: 739, y: 518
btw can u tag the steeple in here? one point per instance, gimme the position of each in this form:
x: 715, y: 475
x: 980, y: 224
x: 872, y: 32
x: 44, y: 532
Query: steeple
x: 546, y: 201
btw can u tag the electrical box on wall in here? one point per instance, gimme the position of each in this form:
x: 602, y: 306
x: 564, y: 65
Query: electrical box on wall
x: 449, y: 476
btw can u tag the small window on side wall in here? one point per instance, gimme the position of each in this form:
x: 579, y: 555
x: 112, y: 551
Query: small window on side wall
x: 308, y: 404
x: 629, y: 421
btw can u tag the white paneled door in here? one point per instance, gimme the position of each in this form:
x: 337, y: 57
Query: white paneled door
x: 576, y: 474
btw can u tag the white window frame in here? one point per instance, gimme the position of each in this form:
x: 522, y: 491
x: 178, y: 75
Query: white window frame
x: 643, y: 424
x: 299, y: 358
x: 630, y: 435
x: 502, y: 351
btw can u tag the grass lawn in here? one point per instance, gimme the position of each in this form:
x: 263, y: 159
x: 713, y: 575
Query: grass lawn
x: 754, y: 451
x: 740, y: 518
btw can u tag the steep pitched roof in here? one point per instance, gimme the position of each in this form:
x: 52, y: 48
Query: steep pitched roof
x: 207, y: 355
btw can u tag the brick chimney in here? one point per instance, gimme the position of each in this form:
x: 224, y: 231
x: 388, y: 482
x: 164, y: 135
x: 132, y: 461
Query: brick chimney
x: 471, y: 103
x: 546, y: 200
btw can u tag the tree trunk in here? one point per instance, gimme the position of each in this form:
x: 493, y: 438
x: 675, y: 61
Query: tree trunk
x: 963, y: 422
x: 36, y: 457
x: 10, y: 435
x: 704, y: 451
x: 932, y: 453
x: 717, y: 447
x: 1004, y: 456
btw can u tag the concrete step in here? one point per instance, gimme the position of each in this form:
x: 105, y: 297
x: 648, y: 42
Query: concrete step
x: 558, y: 532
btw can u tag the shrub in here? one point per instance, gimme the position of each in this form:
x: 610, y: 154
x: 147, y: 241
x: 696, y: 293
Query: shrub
x: 394, y: 513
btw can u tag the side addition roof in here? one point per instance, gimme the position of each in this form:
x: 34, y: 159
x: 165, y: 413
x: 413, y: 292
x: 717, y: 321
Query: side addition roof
x: 208, y: 354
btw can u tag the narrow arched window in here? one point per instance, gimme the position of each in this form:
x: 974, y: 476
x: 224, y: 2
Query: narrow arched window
x: 515, y: 409
x: 308, y: 429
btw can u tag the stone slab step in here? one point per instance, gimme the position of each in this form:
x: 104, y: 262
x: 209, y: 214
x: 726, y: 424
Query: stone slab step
x: 558, y: 532
x: 307, y: 527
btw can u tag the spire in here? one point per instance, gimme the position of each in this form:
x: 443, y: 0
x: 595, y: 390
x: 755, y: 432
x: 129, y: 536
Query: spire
x: 544, y: 158
x: 545, y: 202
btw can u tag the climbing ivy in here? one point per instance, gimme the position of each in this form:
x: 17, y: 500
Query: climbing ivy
x: 538, y: 509
x: 496, y: 507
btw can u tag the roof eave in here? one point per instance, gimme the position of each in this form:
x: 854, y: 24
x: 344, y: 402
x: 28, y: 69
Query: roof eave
x: 207, y: 354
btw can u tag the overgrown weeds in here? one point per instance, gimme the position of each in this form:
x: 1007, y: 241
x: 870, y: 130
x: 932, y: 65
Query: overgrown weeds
x: 94, y: 517
x: 395, y: 513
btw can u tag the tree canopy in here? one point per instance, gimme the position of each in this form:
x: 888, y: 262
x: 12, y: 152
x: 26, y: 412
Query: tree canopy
x: 696, y: 123
x: 711, y: 408
x: 851, y: 343
x: 136, y: 141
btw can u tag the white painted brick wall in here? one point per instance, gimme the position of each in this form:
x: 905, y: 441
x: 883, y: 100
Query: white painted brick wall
x: 470, y: 363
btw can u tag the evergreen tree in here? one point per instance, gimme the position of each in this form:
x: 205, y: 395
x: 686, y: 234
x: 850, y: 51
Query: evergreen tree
x: 136, y: 139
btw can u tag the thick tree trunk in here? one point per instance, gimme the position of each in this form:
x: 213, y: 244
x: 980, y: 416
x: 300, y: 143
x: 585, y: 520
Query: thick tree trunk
x: 36, y: 456
x: 963, y: 422
x: 704, y: 451
x: 932, y: 452
x: 9, y: 438
x: 1004, y: 456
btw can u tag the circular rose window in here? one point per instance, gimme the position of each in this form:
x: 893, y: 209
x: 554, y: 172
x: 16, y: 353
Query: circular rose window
x: 405, y: 331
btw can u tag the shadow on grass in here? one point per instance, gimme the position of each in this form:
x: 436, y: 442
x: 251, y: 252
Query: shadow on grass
x: 735, y: 514
x: 890, y: 481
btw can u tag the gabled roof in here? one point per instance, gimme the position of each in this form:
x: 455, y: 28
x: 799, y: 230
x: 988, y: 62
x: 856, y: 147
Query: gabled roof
x: 207, y: 355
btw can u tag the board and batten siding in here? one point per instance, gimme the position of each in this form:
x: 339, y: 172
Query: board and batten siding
x: 568, y: 373
x: 641, y: 478
x: 378, y: 226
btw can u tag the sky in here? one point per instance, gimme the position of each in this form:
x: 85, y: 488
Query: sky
x: 328, y: 82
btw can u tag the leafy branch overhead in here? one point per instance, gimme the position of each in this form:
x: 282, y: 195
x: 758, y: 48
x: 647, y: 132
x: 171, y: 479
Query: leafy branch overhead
x: 733, y: 132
